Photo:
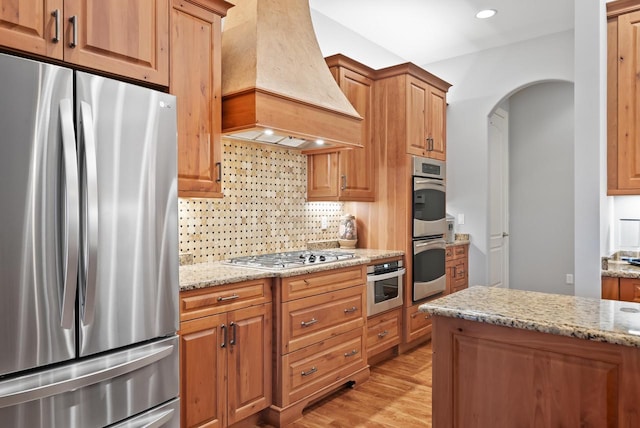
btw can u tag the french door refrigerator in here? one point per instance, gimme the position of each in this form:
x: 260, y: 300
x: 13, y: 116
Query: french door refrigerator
x: 88, y: 250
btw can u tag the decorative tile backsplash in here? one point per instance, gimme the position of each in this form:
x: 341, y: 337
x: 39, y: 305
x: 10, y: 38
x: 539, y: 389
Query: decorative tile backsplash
x: 263, y: 209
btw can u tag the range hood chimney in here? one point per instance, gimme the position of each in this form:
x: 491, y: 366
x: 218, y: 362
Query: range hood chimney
x: 276, y: 86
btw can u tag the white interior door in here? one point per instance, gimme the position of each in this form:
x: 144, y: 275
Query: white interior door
x: 498, y: 199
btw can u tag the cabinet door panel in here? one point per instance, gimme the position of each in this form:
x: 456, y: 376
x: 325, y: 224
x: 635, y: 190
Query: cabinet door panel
x: 628, y: 112
x: 196, y: 81
x: 28, y: 25
x: 437, y: 123
x: 322, y: 180
x: 202, y: 369
x: 125, y: 37
x: 630, y: 289
x: 416, y: 117
x: 356, y: 166
x: 249, y: 362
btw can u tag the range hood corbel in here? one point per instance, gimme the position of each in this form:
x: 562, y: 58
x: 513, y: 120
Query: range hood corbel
x: 276, y: 86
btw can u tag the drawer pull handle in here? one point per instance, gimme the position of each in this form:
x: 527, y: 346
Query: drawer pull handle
x: 383, y: 334
x: 227, y: 298
x: 308, y: 323
x: 350, y: 354
x: 310, y: 372
x: 350, y: 310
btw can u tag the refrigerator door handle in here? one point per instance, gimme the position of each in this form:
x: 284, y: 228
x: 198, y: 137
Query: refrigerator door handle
x: 71, y: 241
x: 90, y: 213
x: 18, y: 394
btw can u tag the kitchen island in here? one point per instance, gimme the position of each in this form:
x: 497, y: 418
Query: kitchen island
x: 512, y: 358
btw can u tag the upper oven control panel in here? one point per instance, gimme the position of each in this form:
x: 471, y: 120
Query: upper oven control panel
x: 431, y: 168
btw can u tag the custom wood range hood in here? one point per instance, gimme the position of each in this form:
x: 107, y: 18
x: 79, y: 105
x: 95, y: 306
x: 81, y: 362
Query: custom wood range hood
x: 276, y: 86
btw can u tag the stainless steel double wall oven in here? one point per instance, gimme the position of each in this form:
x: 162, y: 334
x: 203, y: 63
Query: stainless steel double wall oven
x: 429, y: 228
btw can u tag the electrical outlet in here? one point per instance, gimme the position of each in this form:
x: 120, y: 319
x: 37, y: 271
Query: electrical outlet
x: 569, y: 279
x: 323, y: 223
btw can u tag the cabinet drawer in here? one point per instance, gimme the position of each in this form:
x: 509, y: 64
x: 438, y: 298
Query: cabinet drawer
x: 455, y: 252
x: 312, y: 319
x: 383, y: 331
x: 208, y: 301
x: 297, y: 287
x: 630, y: 289
x: 310, y: 369
x: 417, y: 324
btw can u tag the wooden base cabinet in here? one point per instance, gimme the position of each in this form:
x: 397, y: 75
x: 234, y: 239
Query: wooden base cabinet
x: 625, y: 289
x: 347, y: 175
x: 384, y: 331
x: 320, y: 332
x: 226, y: 354
x: 457, y: 267
x: 123, y: 37
x: 493, y: 376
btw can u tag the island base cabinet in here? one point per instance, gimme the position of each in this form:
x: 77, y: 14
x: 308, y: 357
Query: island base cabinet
x: 493, y: 376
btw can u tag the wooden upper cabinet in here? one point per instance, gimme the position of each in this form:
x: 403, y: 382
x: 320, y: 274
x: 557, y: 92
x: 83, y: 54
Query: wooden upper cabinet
x: 347, y: 175
x: 623, y: 115
x: 411, y: 105
x: 123, y: 37
x: 426, y: 119
x: 30, y: 25
x: 195, y: 80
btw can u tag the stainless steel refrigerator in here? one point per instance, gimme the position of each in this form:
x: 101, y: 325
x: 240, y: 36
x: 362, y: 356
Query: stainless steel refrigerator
x: 88, y: 250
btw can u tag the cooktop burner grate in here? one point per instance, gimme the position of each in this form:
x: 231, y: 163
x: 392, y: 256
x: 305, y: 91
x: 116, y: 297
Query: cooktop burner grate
x: 290, y: 259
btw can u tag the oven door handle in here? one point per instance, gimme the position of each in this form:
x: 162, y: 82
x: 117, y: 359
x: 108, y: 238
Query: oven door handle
x: 439, y: 243
x: 400, y: 272
x: 428, y: 183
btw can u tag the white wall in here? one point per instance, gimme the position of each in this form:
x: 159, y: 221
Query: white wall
x: 480, y: 82
x: 335, y: 38
x: 541, y: 135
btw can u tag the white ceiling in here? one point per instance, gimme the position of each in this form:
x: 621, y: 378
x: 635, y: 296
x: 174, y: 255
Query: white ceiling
x: 426, y: 31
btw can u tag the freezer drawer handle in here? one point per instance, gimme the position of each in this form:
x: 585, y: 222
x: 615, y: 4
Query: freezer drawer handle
x: 72, y: 215
x: 82, y: 381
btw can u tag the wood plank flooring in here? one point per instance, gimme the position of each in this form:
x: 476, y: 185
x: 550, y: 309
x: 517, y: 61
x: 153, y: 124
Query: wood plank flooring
x: 398, y: 394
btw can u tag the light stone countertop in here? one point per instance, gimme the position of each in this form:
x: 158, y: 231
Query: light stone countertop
x: 202, y: 275
x: 599, y: 320
x: 621, y: 269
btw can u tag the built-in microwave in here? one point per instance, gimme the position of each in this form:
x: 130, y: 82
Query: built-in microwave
x: 429, y: 202
x: 384, y: 286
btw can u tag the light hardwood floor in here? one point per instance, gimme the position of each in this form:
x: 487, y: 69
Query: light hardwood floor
x: 398, y: 394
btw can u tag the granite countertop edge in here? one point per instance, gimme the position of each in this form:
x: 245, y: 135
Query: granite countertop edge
x: 526, y: 322
x: 205, y: 275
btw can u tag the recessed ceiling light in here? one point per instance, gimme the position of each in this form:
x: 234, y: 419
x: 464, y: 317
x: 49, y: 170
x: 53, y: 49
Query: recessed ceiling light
x: 486, y: 13
x: 319, y: 142
x: 268, y: 131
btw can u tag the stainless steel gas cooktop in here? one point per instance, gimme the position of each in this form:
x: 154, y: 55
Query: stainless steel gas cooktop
x: 290, y: 259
